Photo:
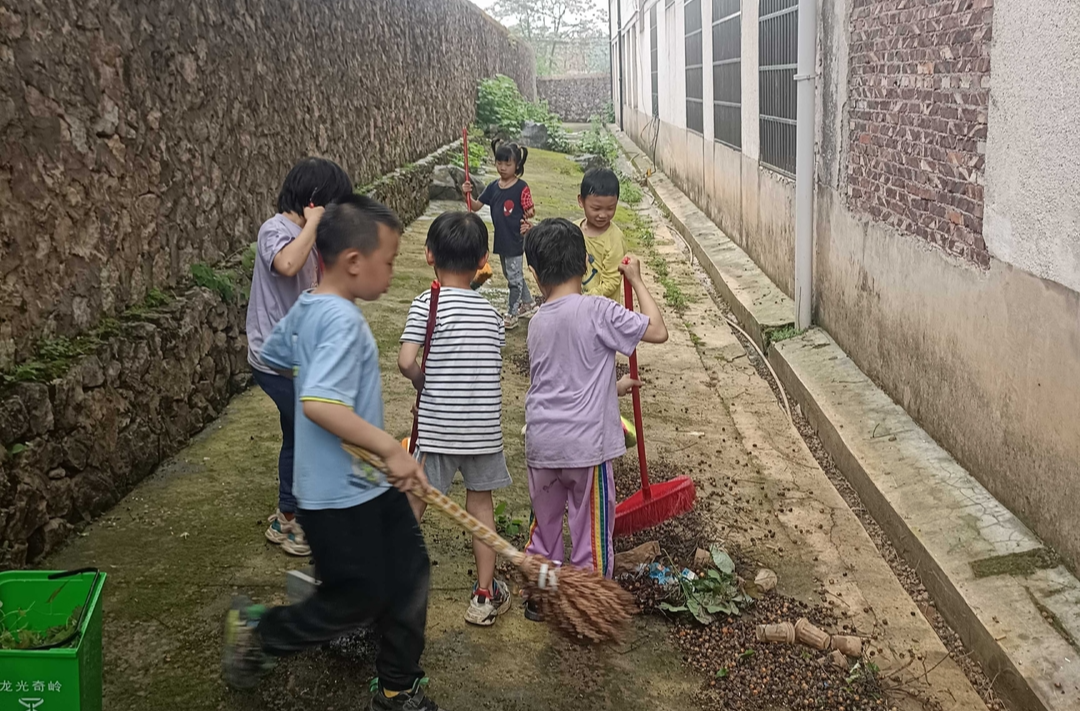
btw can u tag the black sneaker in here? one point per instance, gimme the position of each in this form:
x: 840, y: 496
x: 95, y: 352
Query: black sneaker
x: 243, y: 661
x: 415, y: 700
x: 532, y: 612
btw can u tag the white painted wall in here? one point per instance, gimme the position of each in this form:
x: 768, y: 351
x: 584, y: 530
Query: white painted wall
x: 1032, y: 211
x: 708, y: 127
x: 750, y: 125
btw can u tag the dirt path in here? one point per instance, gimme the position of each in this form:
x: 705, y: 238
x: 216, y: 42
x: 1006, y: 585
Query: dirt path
x: 185, y: 540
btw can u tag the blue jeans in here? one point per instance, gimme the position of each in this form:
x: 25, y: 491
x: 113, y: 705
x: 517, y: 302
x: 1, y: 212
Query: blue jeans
x: 280, y: 390
x: 513, y: 269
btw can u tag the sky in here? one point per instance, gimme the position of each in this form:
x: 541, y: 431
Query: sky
x: 486, y: 4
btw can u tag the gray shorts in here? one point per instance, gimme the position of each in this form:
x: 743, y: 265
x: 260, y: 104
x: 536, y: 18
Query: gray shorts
x: 481, y: 472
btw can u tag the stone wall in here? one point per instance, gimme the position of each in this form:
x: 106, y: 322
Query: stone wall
x: 139, y: 137
x: 72, y: 447
x: 132, y: 391
x: 919, y: 85
x: 406, y: 189
x: 575, y: 97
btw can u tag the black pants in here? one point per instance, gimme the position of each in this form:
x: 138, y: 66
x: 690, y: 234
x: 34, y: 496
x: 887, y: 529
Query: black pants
x: 373, y: 568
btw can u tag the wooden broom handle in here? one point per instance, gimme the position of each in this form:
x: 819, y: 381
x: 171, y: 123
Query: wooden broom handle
x: 465, y: 150
x: 447, y: 506
x: 470, y: 523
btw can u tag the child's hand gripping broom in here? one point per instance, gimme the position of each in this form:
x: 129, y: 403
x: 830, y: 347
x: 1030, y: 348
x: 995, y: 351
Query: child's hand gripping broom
x: 580, y: 604
x: 655, y: 503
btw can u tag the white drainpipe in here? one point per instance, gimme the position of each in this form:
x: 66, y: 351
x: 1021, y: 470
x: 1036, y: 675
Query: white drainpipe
x: 804, y: 163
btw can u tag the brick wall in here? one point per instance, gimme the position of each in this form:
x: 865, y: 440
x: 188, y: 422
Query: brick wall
x: 138, y: 137
x: 575, y: 97
x: 918, y: 90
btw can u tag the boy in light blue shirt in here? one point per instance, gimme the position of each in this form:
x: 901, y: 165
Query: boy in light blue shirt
x: 368, y: 549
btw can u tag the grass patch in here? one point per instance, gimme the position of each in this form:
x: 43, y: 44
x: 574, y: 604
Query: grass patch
x: 629, y: 191
x: 155, y: 299
x: 598, y: 141
x: 247, y: 262
x: 220, y: 281
x: 54, y: 357
x: 673, y: 293
x: 674, y: 296
x: 782, y: 334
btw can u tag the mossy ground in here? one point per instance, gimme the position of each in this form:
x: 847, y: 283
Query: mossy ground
x: 178, y: 547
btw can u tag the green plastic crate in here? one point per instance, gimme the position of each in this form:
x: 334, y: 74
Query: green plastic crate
x: 61, y: 679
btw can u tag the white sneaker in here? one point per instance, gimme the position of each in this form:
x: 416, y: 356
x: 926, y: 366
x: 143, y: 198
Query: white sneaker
x: 296, y: 544
x: 527, y: 312
x: 484, y: 607
x: 510, y: 323
x: 280, y: 528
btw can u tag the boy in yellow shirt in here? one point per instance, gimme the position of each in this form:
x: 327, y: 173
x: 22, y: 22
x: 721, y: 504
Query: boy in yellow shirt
x: 603, y: 240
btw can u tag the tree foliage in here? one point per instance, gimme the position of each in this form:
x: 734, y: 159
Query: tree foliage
x: 548, y: 25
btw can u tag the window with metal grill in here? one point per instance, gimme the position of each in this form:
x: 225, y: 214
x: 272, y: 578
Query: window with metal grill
x: 654, y: 64
x: 727, y: 71
x: 778, y: 46
x: 695, y: 112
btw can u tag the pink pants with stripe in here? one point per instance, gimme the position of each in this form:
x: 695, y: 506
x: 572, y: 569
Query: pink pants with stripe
x: 588, y: 496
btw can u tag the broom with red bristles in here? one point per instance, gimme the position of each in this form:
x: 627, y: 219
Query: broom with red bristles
x: 582, y: 605
x: 654, y: 503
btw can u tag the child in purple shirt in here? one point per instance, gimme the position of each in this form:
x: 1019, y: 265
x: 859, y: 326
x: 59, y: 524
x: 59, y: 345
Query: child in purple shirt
x: 571, y: 410
x: 286, y: 265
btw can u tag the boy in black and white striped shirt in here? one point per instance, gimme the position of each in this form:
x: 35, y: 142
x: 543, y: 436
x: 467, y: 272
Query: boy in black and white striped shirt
x: 461, y: 393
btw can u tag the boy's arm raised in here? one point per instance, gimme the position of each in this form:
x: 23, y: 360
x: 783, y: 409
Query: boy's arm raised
x: 657, y: 331
x: 292, y: 257
x: 404, y: 472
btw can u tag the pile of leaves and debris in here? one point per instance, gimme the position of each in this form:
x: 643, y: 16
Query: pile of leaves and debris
x: 16, y: 634
x: 715, y: 615
x: 679, y: 537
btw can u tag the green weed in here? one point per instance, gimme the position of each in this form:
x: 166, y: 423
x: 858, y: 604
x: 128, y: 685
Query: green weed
x: 597, y: 141
x: 500, y: 108
x: 247, y: 262
x: 783, y: 334
x: 673, y: 295
x: 506, y: 525
x: 714, y: 592
x: 477, y: 153
x: 630, y: 192
x: 15, y: 634
x: 53, y: 357
x: 659, y: 265
x: 220, y: 281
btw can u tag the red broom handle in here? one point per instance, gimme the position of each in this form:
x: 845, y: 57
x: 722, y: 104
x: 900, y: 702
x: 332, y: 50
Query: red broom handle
x: 628, y: 293
x: 465, y: 148
x: 433, y: 306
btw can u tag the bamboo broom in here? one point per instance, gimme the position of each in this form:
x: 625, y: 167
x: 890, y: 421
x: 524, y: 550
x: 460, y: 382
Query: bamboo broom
x: 579, y: 604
